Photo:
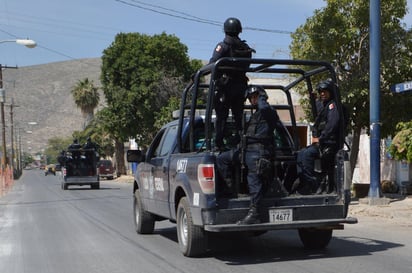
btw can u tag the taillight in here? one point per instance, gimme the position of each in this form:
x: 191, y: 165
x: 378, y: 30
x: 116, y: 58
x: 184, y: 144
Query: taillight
x: 206, y: 177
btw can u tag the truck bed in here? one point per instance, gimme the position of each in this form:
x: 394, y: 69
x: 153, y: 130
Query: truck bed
x: 80, y: 180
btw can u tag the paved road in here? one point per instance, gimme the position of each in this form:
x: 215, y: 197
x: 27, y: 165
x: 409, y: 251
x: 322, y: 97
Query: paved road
x: 44, y: 229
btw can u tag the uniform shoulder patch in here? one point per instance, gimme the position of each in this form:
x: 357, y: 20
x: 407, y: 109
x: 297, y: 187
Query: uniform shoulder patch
x: 331, y: 106
x: 218, y: 48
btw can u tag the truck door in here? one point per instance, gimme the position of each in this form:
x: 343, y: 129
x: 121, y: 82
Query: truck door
x: 158, y: 188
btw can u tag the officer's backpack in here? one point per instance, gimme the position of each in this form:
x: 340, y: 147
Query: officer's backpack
x: 240, y: 49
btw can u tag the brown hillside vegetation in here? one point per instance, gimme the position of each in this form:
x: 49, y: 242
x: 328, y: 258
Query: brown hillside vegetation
x: 42, y: 94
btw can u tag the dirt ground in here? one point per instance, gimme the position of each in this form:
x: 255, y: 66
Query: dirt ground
x: 125, y: 178
x: 398, y: 210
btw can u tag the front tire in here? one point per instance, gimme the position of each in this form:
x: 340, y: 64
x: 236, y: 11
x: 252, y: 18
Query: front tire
x: 192, y: 239
x: 143, y: 220
x: 315, y: 238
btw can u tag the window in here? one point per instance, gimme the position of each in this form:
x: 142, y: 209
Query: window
x: 168, y: 141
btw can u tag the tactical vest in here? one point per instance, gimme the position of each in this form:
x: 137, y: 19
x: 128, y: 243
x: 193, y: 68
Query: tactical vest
x: 238, y: 48
x: 321, y: 120
x: 266, y: 139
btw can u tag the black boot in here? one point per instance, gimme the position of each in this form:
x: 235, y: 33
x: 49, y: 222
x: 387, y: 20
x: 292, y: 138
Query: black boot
x: 251, y: 218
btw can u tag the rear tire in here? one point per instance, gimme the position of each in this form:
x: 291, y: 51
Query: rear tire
x: 144, y: 221
x: 315, y: 238
x: 192, y: 239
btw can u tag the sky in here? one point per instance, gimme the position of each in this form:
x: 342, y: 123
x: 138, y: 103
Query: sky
x: 74, y: 29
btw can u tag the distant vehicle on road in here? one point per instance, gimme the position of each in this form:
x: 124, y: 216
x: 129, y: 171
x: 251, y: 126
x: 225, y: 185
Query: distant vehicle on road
x: 106, y: 169
x: 50, y: 169
x: 80, y: 168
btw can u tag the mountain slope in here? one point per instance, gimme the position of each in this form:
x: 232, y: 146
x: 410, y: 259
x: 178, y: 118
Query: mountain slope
x: 42, y: 94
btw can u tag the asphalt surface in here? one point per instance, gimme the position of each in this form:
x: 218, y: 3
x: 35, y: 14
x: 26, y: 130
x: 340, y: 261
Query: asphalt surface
x: 44, y: 229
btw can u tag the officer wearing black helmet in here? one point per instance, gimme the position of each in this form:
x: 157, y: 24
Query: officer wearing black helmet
x: 90, y: 152
x: 74, y: 148
x: 259, y: 133
x: 230, y: 85
x: 325, y: 134
x: 89, y: 144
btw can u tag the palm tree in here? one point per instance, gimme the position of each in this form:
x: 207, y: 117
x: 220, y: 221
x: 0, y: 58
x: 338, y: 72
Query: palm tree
x: 86, y: 97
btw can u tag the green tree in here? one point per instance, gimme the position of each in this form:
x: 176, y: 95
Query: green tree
x: 96, y: 130
x: 135, y: 68
x: 54, y: 146
x: 27, y: 159
x: 339, y: 33
x: 86, y: 97
x: 401, y: 146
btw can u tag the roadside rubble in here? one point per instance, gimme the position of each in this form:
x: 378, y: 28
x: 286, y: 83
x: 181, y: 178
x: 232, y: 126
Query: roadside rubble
x: 124, y: 179
x: 398, y: 209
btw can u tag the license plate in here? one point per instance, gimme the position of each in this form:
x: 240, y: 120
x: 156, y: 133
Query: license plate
x: 281, y: 215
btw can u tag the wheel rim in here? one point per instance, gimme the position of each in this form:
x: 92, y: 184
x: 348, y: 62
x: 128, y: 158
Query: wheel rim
x: 183, y: 228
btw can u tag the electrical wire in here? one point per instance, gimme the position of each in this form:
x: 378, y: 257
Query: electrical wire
x: 185, y: 16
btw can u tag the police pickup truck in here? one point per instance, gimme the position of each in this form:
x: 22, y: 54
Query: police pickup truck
x: 177, y: 179
x: 79, y: 168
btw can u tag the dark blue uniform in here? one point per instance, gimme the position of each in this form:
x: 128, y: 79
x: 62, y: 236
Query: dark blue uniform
x: 260, y: 139
x: 230, y: 86
x: 326, y: 128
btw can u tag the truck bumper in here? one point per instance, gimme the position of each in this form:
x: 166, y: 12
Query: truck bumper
x: 326, y: 224
x: 81, y: 180
x: 284, y: 213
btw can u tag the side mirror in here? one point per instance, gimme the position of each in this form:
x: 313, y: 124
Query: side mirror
x: 135, y: 156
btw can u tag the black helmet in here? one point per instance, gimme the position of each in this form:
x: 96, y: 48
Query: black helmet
x: 253, y: 89
x: 232, y: 26
x: 326, y: 85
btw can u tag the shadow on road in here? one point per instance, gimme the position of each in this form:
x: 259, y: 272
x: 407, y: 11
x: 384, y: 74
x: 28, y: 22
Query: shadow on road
x: 285, y: 245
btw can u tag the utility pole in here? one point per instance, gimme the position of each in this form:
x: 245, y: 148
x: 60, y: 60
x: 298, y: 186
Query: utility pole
x: 12, y: 133
x: 27, y: 43
x: 375, y: 193
x: 3, y: 122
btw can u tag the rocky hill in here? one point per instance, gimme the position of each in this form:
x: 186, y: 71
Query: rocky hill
x: 42, y: 94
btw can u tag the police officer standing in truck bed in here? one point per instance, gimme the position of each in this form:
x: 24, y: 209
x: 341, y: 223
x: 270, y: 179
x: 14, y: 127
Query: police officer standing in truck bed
x: 230, y: 86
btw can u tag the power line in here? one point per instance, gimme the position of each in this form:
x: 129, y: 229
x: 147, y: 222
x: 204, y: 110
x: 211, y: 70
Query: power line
x: 179, y: 12
x: 50, y: 49
x: 48, y: 22
x: 185, y: 16
x: 8, y: 33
